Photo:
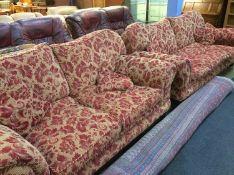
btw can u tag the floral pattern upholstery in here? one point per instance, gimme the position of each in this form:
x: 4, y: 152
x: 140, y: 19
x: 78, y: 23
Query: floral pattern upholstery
x: 112, y: 81
x: 162, y: 38
x: 70, y: 135
x: 193, y: 53
x: 18, y: 156
x: 126, y: 137
x: 182, y: 77
x: 20, y: 107
x: 37, y: 68
x: 100, y: 50
x: 136, y: 37
x: 183, y: 28
x: 144, y: 71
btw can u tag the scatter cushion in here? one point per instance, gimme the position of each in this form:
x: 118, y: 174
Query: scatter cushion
x: 111, y: 81
x: 162, y: 38
x: 20, y: 107
x: 205, y: 35
x: 183, y: 28
x: 15, y: 48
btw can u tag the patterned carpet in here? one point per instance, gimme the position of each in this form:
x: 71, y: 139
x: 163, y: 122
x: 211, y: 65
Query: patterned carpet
x: 157, y: 148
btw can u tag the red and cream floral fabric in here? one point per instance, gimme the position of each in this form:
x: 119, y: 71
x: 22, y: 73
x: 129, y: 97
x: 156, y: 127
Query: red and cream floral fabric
x: 125, y: 139
x: 225, y: 36
x: 205, y: 59
x: 205, y: 35
x: 183, y: 67
x: 18, y: 156
x: 136, y: 37
x: 197, y: 19
x: 112, y: 81
x: 183, y: 28
x: 82, y: 58
x: 145, y: 71
x: 71, y: 135
x: 20, y: 107
x: 127, y: 107
x: 162, y: 38
x: 37, y: 68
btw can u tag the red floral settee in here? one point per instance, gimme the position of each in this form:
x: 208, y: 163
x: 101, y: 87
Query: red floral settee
x: 69, y: 108
x: 187, y: 42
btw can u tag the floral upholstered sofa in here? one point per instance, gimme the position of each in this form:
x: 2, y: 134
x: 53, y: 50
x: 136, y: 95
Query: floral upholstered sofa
x: 69, y: 108
x: 187, y: 42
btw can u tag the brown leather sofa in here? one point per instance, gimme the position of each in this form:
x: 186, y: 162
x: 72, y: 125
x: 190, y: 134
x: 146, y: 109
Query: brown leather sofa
x: 37, y: 30
x: 83, y: 22
x: 5, y: 35
x: 119, y: 17
x: 86, y: 21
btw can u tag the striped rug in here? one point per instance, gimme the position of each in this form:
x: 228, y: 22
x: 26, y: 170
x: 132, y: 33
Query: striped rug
x: 153, y: 152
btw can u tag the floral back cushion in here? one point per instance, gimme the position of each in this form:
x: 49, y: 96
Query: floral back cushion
x: 112, y: 81
x: 136, y: 37
x: 82, y: 58
x: 183, y: 28
x: 38, y: 68
x: 162, y: 38
x: 20, y: 107
x: 197, y: 19
x: 206, y: 35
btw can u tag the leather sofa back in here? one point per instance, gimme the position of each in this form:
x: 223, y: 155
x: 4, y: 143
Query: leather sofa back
x: 5, y: 35
x: 87, y: 21
x: 39, y: 30
x: 119, y: 17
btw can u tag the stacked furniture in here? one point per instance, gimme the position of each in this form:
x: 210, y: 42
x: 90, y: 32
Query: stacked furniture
x: 191, y: 45
x: 229, y: 17
x: 71, y: 107
x: 213, y: 11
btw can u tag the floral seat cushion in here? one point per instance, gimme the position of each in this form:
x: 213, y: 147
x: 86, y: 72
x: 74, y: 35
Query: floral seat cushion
x: 127, y: 107
x: 71, y: 135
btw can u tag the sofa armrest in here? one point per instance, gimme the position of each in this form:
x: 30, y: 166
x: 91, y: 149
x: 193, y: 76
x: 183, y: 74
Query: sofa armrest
x: 183, y: 67
x: 224, y: 36
x: 18, y: 156
x: 149, y: 72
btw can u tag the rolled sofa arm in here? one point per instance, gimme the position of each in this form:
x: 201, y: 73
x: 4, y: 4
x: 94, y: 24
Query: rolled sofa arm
x: 224, y: 36
x: 183, y: 67
x: 18, y: 156
x: 149, y: 72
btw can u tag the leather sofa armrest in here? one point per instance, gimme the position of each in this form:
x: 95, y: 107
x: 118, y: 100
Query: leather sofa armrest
x: 145, y: 71
x: 183, y: 67
x: 18, y: 156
